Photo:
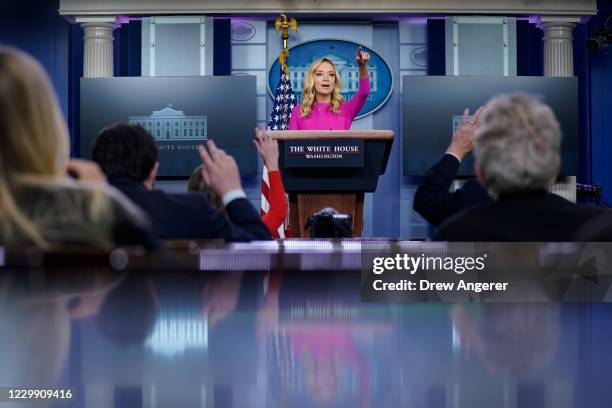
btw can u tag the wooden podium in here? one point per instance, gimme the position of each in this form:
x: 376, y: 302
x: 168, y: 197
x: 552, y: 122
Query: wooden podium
x: 315, y: 185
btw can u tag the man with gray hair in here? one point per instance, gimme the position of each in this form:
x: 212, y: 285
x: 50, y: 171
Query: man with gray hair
x: 517, y: 147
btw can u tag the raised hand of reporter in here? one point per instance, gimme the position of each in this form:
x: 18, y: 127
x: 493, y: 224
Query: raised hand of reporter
x: 220, y: 170
x: 463, y: 139
x: 267, y: 148
x: 85, y: 170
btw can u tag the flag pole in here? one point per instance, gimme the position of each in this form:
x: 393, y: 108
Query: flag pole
x: 283, y: 24
x: 284, y: 101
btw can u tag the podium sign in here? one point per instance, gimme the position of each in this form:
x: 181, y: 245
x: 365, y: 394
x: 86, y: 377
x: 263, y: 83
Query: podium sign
x: 330, y: 168
x: 324, y: 153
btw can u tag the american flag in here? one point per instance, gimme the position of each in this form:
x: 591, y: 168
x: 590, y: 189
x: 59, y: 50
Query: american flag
x: 284, y: 102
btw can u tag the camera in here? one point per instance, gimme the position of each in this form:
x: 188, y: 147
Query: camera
x: 328, y: 223
x: 599, y: 41
x: 601, y: 38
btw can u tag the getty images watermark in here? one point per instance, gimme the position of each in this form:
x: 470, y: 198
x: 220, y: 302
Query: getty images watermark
x: 411, y: 265
x: 491, y: 272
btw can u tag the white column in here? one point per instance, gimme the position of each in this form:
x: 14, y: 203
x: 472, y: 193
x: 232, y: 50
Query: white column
x: 559, y: 62
x: 98, y: 50
x: 558, y: 47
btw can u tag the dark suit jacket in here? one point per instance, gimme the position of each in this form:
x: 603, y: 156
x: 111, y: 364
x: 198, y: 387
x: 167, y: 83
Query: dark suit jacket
x: 189, y: 216
x: 529, y: 217
x: 433, y: 200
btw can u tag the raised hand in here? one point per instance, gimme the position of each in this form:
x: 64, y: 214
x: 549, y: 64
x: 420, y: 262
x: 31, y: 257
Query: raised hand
x: 362, y: 57
x: 220, y: 170
x: 463, y: 139
x: 221, y: 297
x: 267, y: 148
x: 85, y: 170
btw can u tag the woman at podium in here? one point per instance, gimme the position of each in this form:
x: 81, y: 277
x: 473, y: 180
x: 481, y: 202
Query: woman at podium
x: 323, y: 107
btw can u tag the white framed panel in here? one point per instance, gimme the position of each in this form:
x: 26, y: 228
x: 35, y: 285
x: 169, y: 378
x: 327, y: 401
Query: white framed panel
x: 413, y: 31
x: 480, y: 45
x: 177, y: 49
x: 176, y: 46
x: 246, y: 57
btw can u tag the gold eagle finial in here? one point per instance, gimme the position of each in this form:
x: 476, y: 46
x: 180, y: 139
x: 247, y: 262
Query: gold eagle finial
x: 284, y: 24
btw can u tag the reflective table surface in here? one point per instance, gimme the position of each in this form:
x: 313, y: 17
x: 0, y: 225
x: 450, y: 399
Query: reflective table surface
x: 286, y: 338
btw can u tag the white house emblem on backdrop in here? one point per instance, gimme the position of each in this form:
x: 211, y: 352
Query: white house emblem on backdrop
x: 418, y: 57
x: 171, y: 125
x: 242, y: 31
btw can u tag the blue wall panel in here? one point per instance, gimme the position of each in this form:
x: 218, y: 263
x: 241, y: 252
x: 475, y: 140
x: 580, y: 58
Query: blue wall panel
x: 37, y: 28
x: 386, y: 208
x: 529, y: 53
x: 600, y: 87
x: 75, y: 68
x: 436, y: 55
x: 127, y: 49
x: 222, y: 51
x: 581, y: 71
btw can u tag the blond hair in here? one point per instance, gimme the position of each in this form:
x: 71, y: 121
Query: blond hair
x: 35, y: 151
x: 308, y: 90
x: 197, y: 183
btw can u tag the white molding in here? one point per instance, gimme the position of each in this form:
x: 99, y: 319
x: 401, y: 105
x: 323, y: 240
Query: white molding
x: 152, y: 48
x: 273, y: 7
x: 455, y: 44
x: 178, y: 20
x: 451, y: 47
x: 209, y: 49
x: 203, y: 44
x: 559, y: 19
x: 506, y: 46
x: 480, y: 19
x: 96, y: 19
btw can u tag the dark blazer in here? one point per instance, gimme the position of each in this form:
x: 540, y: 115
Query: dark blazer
x: 535, y: 216
x: 189, y: 216
x: 433, y: 200
x: 599, y: 229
